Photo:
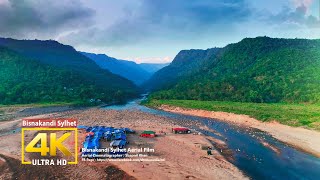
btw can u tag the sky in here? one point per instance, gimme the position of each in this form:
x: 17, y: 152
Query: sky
x: 155, y: 31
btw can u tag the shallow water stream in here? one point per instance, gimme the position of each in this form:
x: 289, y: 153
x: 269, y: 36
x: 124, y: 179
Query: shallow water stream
x: 250, y: 155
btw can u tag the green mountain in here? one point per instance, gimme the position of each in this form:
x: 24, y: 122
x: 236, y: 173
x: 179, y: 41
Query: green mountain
x: 63, y: 56
x: 259, y: 69
x: 47, y: 71
x: 186, y: 63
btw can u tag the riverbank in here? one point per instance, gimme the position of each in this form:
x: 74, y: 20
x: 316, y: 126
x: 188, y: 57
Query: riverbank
x: 295, y: 115
x: 184, y: 155
x: 300, y: 138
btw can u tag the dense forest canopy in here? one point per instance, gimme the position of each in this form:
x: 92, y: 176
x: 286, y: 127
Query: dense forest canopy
x: 64, y: 56
x: 259, y: 69
x: 186, y: 63
x: 28, y: 80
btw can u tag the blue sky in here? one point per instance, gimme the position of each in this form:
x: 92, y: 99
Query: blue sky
x: 156, y: 30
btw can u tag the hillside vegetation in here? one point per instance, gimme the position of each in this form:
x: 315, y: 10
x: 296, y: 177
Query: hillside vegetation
x: 27, y: 80
x: 263, y: 70
x: 305, y: 115
x: 57, y: 55
x: 185, y: 64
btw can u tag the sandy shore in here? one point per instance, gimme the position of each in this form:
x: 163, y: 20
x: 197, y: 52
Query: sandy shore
x: 300, y: 138
x: 184, y: 155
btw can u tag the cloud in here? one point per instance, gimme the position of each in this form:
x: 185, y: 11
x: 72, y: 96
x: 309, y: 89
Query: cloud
x: 298, y: 17
x: 155, y: 28
x: 165, y: 19
x: 41, y: 19
x: 203, y: 13
x: 306, y: 3
x: 166, y: 59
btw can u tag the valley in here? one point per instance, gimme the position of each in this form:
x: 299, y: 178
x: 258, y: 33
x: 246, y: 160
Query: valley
x: 160, y: 89
x: 137, y: 73
x: 256, y: 102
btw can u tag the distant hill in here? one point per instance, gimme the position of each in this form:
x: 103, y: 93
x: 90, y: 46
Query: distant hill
x: 186, y: 63
x: 259, y: 69
x: 53, y: 56
x: 153, y: 67
x: 127, y: 69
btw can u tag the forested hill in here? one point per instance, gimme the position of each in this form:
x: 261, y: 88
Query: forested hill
x: 258, y: 69
x: 186, y: 63
x: 63, y: 56
x: 47, y: 71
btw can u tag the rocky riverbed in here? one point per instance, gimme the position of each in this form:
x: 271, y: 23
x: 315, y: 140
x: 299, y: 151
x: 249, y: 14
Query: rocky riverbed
x: 184, y: 155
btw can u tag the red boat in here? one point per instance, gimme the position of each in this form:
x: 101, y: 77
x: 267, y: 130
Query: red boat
x: 148, y: 134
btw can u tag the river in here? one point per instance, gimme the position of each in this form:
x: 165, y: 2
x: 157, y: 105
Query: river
x: 250, y: 155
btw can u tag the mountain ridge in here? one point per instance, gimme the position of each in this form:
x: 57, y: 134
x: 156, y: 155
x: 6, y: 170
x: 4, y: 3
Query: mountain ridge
x: 124, y: 68
x: 137, y: 73
x: 178, y: 68
x: 65, y: 58
x: 258, y: 69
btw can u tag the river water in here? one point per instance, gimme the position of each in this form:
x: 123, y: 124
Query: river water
x: 250, y: 155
